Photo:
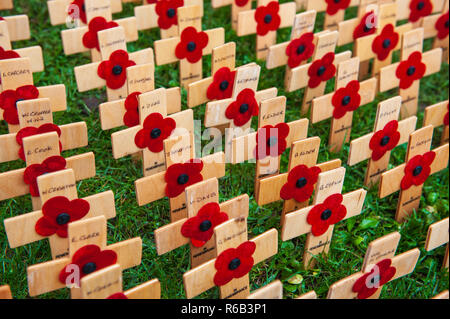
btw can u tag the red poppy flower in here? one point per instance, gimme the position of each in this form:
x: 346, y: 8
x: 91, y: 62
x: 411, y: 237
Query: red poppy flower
x: 385, y: 42
x: 333, y: 6
x: 234, y: 263
x: 346, y: 99
x: 222, y: 85
x: 49, y: 165
x: 57, y: 213
x: 419, y: 9
x: 155, y: 130
x: 300, y: 49
x: 30, y: 131
x: 200, y: 228
x: 384, y: 140
x: 271, y: 140
x: 118, y: 295
x: 181, y: 175
x: 167, y: 12
x: 442, y: 26
x: 80, y: 12
x: 8, y: 54
x: 366, y: 26
x: 241, y: 3
x: 88, y: 259
x: 191, y: 45
x: 321, y: 70
x: 113, y: 70
x: 417, y: 170
x: 267, y: 18
x: 369, y: 283
x: 9, y: 99
x: 446, y: 117
x: 411, y: 70
x: 131, y: 116
x: 330, y: 212
x: 90, y: 38
x: 300, y: 183
x: 242, y: 110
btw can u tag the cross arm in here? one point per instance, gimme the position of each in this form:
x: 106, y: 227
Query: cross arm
x: 360, y: 150
x: 43, y: 277
x: 34, y: 53
x: 434, y: 114
x: 274, y: 290
x: 390, y: 180
x: 403, y: 10
x: 437, y: 235
x: 129, y: 252
x: 148, y: 290
x: 321, y: 6
x: 18, y: 27
x: 56, y: 94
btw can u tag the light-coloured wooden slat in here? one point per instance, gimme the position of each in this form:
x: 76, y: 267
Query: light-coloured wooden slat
x: 273, y: 290
x: 437, y: 235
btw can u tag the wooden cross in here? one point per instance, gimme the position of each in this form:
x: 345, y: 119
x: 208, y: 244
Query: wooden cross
x: 417, y: 11
x: 5, y: 292
x: 98, y: 14
x: 201, y: 199
x: 57, y: 191
x: 435, y: 26
x: 69, y: 12
x: 329, y: 207
x: 236, y: 253
x: 87, y: 243
x: 6, y: 4
x: 438, y: 236
x: 274, y: 290
x: 380, y: 266
x: 407, y: 74
x: 133, y: 140
x: 18, y: 28
x: 182, y: 170
x: 190, y: 45
x: 299, y: 49
x: 115, y: 61
x: 349, y: 95
x: 437, y: 115
x: 270, y: 141
x: 42, y: 155
x: 334, y: 10
x: 303, y: 156
x: 264, y: 21
x: 314, y: 76
x: 408, y: 178
x: 107, y: 284
x: 163, y: 16
x: 16, y: 76
x: 375, y: 146
x: 236, y: 7
x: 381, y: 44
x: 36, y: 116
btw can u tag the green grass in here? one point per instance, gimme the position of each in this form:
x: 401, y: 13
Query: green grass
x: 350, y: 238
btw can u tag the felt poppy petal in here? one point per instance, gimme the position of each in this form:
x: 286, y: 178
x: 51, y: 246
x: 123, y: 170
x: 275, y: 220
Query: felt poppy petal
x: 45, y: 227
x: 78, y: 208
x: 55, y: 206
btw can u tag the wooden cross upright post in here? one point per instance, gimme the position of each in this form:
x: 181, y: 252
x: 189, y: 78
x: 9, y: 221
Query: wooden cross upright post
x: 36, y: 117
x: 329, y: 207
x: 417, y: 10
x: 190, y: 45
x: 387, y: 134
x: 236, y: 7
x: 18, y: 27
x: 77, y: 13
x: 299, y: 49
x: 163, y: 15
x: 146, y: 139
x: 236, y: 255
x: 436, y: 26
x: 293, y: 186
x: 409, y: 177
x: 61, y: 206
x: 16, y: 76
x: 6, y: 4
x: 107, y: 284
x: 334, y: 10
x: 42, y: 155
x: 98, y: 17
x: 274, y: 290
x: 380, y: 266
x: 264, y: 21
x: 406, y: 74
x: 314, y: 76
x: 437, y: 115
x: 5, y: 292
x: 382, y: 42
x: 111, y: 71
x: 87, y: 247
x: 203, y: 210
x: 273, y: 137
x: 438, y: 236
x: 349, y: 95
x: 182, y: 170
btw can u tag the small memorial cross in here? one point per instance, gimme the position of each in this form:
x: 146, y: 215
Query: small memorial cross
x: 437, y: 115
x: 334, y: 10
x: 438, y: 236
x: 436, y: 26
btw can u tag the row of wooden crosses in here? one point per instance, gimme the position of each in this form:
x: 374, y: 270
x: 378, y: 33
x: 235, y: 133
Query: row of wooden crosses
x: 162, y: 135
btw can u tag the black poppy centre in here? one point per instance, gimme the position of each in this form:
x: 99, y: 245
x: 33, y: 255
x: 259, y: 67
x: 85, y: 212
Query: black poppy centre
x: 386, y: 43
x: 321, y: 70
x: 420, y: 5
x: 62, y: 219
x: 417, y: 170
x: 19, y: 101
x: 326, y: 214
x: 346, y: 100
x: 267, y: 18
x: 205, y: 225
x: 89, y: 268
x: 301, y: 182
x: 272, y: 141
x: 183, y: 179
x: 191, y: 46
x: 411, y: 70
x: 155, y: 133
x: 171, y: 13
x: 243, y: 108
x: 300, y: 49
x: 234, y: 264
x: 375, y: 280
x: 385, y: 140
x: 117, y: 70
x: 224, y: 85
